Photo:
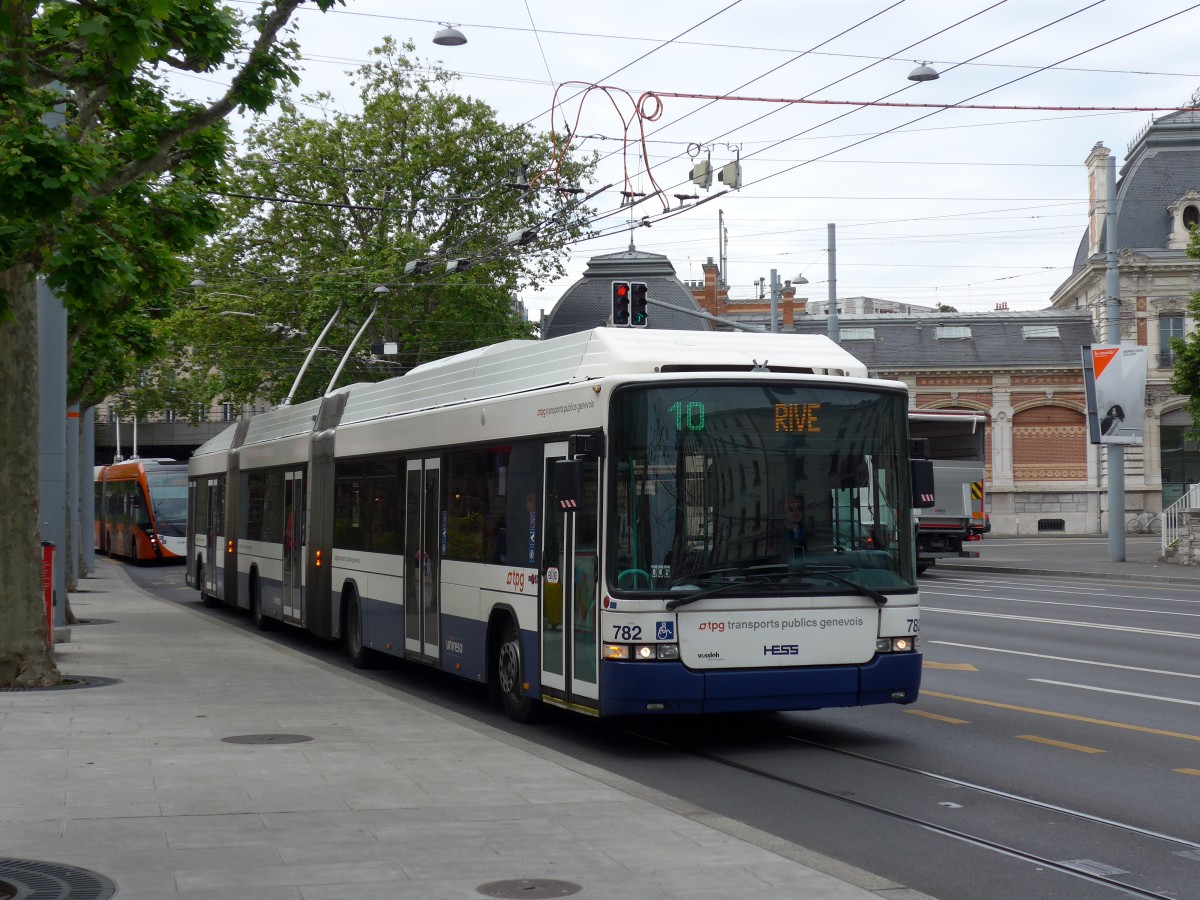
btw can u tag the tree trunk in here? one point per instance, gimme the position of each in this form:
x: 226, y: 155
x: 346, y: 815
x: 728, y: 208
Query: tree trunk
x: 26, y: 650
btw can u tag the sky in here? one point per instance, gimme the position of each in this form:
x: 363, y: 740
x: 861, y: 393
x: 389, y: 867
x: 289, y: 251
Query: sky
x: 947, y: 203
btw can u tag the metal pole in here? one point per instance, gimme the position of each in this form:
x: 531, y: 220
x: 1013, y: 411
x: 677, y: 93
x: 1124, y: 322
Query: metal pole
x: 703, y: 315
x: 52, y: 437
x: 774, y: 302
x: 1112, y: 334
x: 87, y: 494
x: 831, y: 322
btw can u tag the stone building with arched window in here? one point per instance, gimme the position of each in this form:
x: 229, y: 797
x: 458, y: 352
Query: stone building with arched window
x: 1157, y: 203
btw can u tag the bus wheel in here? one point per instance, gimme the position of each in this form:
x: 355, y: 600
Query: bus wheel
x: 509, y: 670
x: 261, y: 622
x: 359, y: 655
x: 209, y: 601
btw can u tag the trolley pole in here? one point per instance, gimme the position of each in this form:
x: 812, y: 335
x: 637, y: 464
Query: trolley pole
x: 1112, y: 334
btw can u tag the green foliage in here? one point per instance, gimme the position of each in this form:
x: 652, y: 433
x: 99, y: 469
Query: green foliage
x: 108, y: 178
x: 108, y: 175
x: 420, y: 174
x: 1186, y: 376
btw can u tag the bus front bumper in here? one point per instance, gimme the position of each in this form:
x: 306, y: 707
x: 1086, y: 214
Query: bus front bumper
x: 636, y: 688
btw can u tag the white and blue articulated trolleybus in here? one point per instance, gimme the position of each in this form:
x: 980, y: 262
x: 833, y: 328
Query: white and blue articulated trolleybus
x: 620, y: 522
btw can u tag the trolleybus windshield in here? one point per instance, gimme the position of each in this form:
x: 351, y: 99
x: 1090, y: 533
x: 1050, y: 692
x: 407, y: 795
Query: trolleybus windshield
x: 767, y: 488
x: 168, y: 497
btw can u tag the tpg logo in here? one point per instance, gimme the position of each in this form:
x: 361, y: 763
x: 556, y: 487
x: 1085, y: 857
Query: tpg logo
x: 516, y: 579
x: 781, y: 650
x: 712, y: 626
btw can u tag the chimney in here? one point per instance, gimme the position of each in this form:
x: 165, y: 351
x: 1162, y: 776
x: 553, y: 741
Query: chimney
x: 712, y: 273
x: 1097, y: 196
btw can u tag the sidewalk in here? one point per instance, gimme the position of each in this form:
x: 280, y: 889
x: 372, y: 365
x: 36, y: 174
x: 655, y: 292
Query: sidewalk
x: 388, y: 798
x: 1080, y: 556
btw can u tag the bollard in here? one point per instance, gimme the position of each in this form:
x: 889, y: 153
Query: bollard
x: 48, y: 588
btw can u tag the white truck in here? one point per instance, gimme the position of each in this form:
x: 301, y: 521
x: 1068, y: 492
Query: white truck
x: 955, y: 442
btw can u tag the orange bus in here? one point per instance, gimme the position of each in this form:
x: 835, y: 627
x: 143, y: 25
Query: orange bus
x: 141, y: 510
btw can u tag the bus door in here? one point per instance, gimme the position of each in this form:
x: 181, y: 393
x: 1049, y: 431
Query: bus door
x: 212, y: 583
x: 568, y: 580
x: 293, y: 544
x: 424, y: 532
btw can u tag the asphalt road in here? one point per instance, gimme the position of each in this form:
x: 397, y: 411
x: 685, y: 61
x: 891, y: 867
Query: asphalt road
x: 1055, y: 751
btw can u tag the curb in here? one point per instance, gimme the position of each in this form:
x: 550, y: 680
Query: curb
x: 1100, y: 576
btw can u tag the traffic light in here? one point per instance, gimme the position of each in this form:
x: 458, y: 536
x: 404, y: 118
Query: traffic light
x: 639, y: 316
x: 620, y: 303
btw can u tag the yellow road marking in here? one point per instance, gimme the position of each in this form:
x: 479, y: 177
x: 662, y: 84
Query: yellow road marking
x: 1068, y: 716
x: 1188, y: 771
x: 1063, y: 744
x: 929, y: 715
x: 958, y: 667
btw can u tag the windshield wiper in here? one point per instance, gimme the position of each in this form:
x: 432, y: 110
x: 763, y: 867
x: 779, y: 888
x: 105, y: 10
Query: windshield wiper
x: 880, y: 599
x: 764, y: 578
x: 677, y: 602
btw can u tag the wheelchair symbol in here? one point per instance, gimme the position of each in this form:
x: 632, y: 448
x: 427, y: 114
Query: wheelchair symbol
x: 666, y: 631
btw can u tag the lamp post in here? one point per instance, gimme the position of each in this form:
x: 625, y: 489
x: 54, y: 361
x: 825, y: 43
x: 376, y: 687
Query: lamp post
x: 1112, y: 333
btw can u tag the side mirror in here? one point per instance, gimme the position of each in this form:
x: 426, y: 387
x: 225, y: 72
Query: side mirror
x: 568, y: 484
x: 922, y: 483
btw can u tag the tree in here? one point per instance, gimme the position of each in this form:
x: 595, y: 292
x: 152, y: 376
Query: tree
x: 328, y: 208
x: 1186, y: 377
x: 107, y: 176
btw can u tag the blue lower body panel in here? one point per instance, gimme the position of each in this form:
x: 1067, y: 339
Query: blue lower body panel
x: 627, y: 687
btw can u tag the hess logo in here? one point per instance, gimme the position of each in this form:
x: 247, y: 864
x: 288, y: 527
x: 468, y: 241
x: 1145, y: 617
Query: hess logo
x: 516, y: 579
x: 781, y: 650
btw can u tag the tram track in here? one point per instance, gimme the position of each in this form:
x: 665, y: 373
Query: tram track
x: 1075, y: 869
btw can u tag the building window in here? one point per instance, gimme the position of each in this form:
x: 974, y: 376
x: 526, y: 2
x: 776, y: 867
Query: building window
x: 1179, y: 457
x: 953, y: 332
x: 226, y: 411
x: 1191, y: 216
x: 1168, y: 327
x: 858, y: 334
x: 1040, y: 332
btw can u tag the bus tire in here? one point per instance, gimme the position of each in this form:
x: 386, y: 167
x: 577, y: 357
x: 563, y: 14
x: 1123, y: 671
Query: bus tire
x: 360, y: 655
x: 509, y: 675
x: 261, y: 622
x: 209, y: 601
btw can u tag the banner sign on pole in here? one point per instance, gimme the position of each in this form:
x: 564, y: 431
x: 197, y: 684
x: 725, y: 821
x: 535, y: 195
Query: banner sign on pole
x: 1114, y: 381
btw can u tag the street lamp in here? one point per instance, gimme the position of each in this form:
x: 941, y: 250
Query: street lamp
x: 449, y: 36
x: 923, y: 72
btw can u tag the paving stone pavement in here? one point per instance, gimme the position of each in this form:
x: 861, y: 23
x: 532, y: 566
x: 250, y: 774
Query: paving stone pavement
x: 391, y: 798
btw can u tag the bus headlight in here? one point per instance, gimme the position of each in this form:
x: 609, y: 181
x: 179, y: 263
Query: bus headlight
x: 641, y: 652
x: 896, y: 645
